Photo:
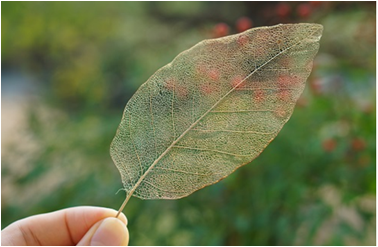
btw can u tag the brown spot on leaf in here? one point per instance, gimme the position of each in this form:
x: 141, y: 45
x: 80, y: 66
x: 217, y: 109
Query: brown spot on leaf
x: 243, y: 40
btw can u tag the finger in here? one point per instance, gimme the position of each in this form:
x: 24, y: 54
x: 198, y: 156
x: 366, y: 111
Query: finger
x: 107, y: 232
x: 63, y: 227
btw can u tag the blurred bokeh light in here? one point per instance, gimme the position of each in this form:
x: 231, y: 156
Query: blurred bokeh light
x: 68, y: 69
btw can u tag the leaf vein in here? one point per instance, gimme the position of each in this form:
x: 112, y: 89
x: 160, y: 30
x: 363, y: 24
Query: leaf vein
x: 237, y: 131
x: 186, y: 172
x: 213, y: 150
x: 237, y: 111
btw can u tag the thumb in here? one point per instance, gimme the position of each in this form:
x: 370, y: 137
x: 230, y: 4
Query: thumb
x: 107, y: 232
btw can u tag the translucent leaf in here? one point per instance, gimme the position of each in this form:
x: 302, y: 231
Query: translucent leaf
x: 214, y: 108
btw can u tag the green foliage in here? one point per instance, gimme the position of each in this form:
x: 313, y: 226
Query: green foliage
x: 313, y: 185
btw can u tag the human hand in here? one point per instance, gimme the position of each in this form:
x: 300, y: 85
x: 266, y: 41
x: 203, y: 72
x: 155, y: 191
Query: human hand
x: 72, y: 226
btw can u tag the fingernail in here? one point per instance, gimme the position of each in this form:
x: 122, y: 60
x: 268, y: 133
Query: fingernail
x: 111, y: 232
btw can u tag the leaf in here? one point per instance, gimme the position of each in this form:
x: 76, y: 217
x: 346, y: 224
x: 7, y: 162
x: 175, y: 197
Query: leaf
x: 214, y: 108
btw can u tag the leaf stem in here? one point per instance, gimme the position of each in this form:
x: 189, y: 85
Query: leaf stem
x: 123, y: 204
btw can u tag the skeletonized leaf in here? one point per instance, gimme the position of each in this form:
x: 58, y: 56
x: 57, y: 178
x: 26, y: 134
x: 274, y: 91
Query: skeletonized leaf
x: 214, y: 108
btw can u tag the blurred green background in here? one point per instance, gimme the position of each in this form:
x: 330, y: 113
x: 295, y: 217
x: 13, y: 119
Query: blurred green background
x: 68, y: 69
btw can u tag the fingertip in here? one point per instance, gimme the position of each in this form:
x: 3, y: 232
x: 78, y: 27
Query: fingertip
x: 123, y: 218
x: 110, y: 232
x: 107, y: 232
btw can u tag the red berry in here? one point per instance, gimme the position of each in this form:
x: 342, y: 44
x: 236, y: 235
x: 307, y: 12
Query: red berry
x: 329, y: 145
x: 243, y: 23
x: 220, y: 30
x: 283, y: 10
x: 304, y: 10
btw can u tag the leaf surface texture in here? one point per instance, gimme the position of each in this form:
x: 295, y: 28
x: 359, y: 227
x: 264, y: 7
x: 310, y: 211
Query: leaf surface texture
x: 214, y: 108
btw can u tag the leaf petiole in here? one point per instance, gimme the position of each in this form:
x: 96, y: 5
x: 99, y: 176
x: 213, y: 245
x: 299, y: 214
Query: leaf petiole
x: 123, y: 204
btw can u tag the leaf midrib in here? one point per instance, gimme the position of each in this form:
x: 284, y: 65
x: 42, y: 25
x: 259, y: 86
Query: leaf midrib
x: 131, y: 192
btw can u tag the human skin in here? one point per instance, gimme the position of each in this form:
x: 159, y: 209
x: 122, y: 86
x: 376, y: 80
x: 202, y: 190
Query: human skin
x: 72, y: 226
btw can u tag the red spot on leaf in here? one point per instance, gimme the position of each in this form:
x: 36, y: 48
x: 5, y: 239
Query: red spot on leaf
x: 172, y: 85
x: 259, y: 96
x: 237, y: 82
x: 283, y: 81
x: 285, y: 84
x: 243, y: 40
x: 213, y: 74
x: 208, y: 88
x: 284, y: 94
x: 288, y: 81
